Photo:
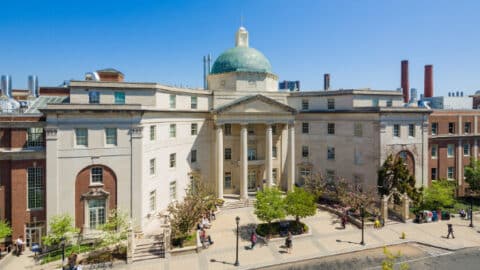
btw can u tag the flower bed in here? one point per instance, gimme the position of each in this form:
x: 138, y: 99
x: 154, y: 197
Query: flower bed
x: 190, y: 240
x: 281, y: 228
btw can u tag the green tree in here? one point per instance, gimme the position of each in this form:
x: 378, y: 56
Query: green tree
x: 300, y: 204
x: 115, y: 230
x: 472, y: 175
x: 390, y: 260
x: 5, y: 229
x: 60, y: 227
x: 270, y: 205
x: 439, y: 195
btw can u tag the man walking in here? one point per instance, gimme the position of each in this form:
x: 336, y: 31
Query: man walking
x: 450, y: 231
x: 253, y: 239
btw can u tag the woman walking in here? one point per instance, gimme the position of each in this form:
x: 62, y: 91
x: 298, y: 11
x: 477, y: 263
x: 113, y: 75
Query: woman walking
x: 288, y: 242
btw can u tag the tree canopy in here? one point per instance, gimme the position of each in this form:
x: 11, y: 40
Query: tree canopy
x: 60, y: 226
x: 439, y: 195
x: 5, y: 229
x: 472, y: 175
x: 300, y: 204
x: 270, y: 205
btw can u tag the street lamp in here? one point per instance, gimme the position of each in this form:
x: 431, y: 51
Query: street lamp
x: 63, y: 250
x: 362, y: 214
x: 471, y: 210
x: 237, y: 219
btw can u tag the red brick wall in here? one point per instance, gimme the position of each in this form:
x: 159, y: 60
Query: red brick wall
x: 5, y: 137
x: 6, y: 186
x: 82, y: 186
x: 18, y: 137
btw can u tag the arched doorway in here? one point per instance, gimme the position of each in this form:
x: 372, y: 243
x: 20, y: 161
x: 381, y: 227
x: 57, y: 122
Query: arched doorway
x: 95, y: 196
x: 408, y: 160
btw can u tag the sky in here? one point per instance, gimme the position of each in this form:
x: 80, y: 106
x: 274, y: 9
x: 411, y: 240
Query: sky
x: 359, y: 42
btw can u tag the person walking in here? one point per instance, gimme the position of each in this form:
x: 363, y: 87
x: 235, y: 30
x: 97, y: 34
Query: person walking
x: 19, y: 244
x: 288, y: 242
x: 450, y: 231
x: 253, y: 239
x: 344, y: 221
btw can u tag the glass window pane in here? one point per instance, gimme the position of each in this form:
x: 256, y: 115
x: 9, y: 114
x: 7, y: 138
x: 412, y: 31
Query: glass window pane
x: 119, y: 98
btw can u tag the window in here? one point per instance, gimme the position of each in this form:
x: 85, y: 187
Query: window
x: 94, y: 97
x: 434, y: 151
x: 228, y: 129
x: 330, y: 175
x: 331, y: 153
x: 375, y: 102
x: 433, y: 174
x: 194, y: 129
x: 193, y: 156
x: 173, y: 160
x: 304, y: 174
x: 467, y: 128
x: 153, y: 200
x: 274, y: 174
x: 96, y: 175
x: 274, y: 129
x: 411, y: 130
x: 466, y: 149
x: 396, y: 130
x: 193, y: 102
x: 228, y: 180
x: 305, y: 104
x: 330, y: 128
x: 173, y: 130
x: 81, y: 136
x: 173, y: 190
x: 434, y: 128
x: 153, y: 132
x: 173, y: 101
x: 152, y: 166
x: 96, y: 213
x: 331, y: 104
x: 252, y: 154
x: 451, y: 128
x: 251, y: 129
x: 274, y: 152
x: 119, y: 97
x: 358, y: 130
x: 304, y: 151
x: 389, y: 103
x: 305, y: 128
x: 450, y: 172
x: 111, y: 136
x: 35, y: 137
x: 450, y: 150
x: 228, y: 153
x: 35, y: 188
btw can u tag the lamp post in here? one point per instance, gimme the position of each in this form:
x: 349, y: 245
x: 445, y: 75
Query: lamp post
x: 362, y: 214
x: 63, y: 250
x: 471, y: 210
x: 237, y: 219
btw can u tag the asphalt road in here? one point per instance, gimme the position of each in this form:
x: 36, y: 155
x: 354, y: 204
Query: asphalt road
x: 466, y: 259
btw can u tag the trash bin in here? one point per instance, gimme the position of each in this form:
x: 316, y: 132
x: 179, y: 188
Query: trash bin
x: 434, y: 216
x: 445, y: 215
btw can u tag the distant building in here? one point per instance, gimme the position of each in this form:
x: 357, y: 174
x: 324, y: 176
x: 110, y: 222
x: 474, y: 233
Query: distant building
x: 289, y: 86
x: 450, y: 102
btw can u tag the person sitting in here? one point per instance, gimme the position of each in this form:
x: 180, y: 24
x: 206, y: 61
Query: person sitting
x: 205, y: 239
x: 205, y: 223
x: 462, y: 213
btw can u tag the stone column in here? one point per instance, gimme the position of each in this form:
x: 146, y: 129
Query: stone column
x: 268, y: 154
x: 52, y: 183
x: 243, y: 162
x: 291, y: 156
x: 219, y: 161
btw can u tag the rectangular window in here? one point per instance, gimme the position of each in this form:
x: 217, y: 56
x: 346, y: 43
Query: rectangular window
x: 194, y: 129
x: 81, y: 137
x: 35, y: 137
x: 173, y: 190
x: 330, y: 175
x: 152, y: 166
x: 396, y: 130
x: 466, y: 149
x: 433, y: 174
x: 331, y: 129
x: 173, y: 130
x: 274, y: 174
x: 305, y: 128
x: 274, y: 152
x: 172, y: 101
x: 305, y: 104
x: 96, y: 213
x: 228, y: 180
x: 450, y: 150
x: 434, y: 151
x: 94, y: 97
x: 228, y: 129
x: 119, y: 97
x: 228, y: 153
x: 331, y: 104
x: 389, y: 103
x: 173, y: 160
x: 111, y: 136
x: 193, y: 102
x: 193, y: 156
x: 467, y: 128
x: 451, y: 128
x: 96, y: 175
x: 331, y: 153
x: 252, y: 154
x: 304, y: 174
x: 305, y: 151
x: 358, y: 130
x: 411, y: 130
x: 35, y: 188
x: 434, y: 128
x: 153, y: 132
x: 450, y: 172
x: 251, y: 129
x: 153, y: 200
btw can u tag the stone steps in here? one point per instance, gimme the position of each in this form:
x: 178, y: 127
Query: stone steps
x: 149, y: 249
x: 238, y: 204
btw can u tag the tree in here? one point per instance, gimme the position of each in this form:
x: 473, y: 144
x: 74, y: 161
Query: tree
x: 356, y: 197
x: 270, y: 205
x: 60, y: 227
x: 115, y: 230
x: 440, y: 194
x: 5, y: 229
x: 472, y: 175
x: 391, y: 259
x: 300, y: 204
x: 315, y: 184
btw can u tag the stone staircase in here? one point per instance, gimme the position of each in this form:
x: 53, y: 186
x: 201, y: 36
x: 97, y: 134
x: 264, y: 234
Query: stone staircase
x: 152, y: 247
x: 235, y: 204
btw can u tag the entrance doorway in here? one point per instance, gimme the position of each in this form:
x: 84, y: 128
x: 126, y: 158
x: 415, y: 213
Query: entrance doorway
x: 33, y: 235
x: 252, y: 180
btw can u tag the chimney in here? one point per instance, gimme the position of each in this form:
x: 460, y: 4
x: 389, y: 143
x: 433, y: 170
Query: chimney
x: 326, y: 81
x: 428, y: 89
x: 404, y: 80
x: 33, y: 85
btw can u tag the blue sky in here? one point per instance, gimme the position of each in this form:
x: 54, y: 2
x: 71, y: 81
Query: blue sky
x: 360, y: 43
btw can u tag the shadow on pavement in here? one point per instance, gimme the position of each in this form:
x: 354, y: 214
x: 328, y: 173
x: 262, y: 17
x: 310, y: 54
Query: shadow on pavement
x: 222, y: 262
x: 350, y: 242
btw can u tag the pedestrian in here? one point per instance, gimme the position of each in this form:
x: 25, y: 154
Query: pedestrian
x: 376, y: 224
x: 450, y: 231
x: 288, y: 242
x: 344, y: 221
x: 253, y: 239
x: 19, y: 244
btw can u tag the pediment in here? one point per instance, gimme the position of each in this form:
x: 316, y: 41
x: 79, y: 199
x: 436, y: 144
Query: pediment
x: 257, y: 104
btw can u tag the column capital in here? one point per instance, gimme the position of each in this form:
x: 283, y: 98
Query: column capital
x: 243, y: 124
x: 218, y: 125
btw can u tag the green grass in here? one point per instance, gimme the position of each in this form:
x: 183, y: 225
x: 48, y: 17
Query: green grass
x: 190, y: 240
x: 274, y: 229
x: 57, y: 254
